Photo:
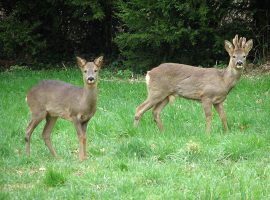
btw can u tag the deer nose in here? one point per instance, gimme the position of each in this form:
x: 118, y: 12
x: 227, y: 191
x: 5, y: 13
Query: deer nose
x: 239, y: 62
x: 91, y: 78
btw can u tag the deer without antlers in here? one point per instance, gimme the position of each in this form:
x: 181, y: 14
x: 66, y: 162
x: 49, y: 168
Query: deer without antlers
x: 208, y: 85
x: 51, y: 99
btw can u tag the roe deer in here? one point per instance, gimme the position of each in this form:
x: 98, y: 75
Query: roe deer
x: 51, y: 99
x: 208, y: 85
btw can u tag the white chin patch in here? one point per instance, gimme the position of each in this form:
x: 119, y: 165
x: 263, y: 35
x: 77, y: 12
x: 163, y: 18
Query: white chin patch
x: 90, y: 82
x: 239, y: 66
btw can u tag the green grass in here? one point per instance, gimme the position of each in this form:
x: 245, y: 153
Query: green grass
x: 54, y: 178
x: 129, y: 163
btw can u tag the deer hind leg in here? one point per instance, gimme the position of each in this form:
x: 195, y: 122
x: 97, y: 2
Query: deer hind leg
x: 207, y: 106
x: 141, y: 109
x: 222, y: 115
x: 36, y: 119
x: 46, y: 134
x: 157, y: 110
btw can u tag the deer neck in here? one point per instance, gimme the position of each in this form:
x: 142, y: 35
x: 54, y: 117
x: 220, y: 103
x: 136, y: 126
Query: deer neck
x: 89, y: 96
x: 231, y: 75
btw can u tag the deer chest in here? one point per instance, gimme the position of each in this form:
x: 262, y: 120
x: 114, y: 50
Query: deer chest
x: 86, y: 116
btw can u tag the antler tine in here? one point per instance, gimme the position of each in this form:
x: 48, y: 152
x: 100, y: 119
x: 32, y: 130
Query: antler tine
x: 240, y: 42
x: 243, y: 42
x: 235, y: 42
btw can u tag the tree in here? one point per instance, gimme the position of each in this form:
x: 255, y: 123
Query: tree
x: 261, y: 28
x: 54, y: 30
x: 185, y: 31
x: 140, y: 33
x: 19, y: 39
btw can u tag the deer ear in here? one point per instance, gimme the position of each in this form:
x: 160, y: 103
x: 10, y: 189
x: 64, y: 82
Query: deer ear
x: 99, y: 61
x: 228, y: 46
x: 81, y: 62
x: 248, y: 46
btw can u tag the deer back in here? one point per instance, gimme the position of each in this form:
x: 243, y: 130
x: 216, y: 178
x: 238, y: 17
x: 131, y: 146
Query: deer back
x: 185, y: 81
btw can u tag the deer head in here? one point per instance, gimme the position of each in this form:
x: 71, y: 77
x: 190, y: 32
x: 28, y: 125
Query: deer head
x: 90, y: 69
x: 238, y: 51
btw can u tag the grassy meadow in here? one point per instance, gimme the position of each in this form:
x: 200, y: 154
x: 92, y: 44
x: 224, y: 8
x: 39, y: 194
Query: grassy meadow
x: 128, y: 163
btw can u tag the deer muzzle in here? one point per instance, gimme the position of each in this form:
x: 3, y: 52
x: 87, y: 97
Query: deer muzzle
x: 239, y: 64
x: 90, y: 79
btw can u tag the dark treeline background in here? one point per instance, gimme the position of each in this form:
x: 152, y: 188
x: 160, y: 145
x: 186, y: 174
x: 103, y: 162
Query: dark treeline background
x: 136, y: 34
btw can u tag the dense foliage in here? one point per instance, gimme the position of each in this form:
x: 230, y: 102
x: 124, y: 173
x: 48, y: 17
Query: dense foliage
x: 53, y: 31
x: 164, y: 30
x: 140, y: 34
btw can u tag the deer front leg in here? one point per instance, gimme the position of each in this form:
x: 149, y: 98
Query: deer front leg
x: 81, y: 132
x: 222, y: 115
x: 207, y: 106
x: 84, y: 128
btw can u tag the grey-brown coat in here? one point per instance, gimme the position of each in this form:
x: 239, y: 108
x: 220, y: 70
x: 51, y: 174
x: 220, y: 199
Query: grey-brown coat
x: 208, y: 85
x: 51, y: 99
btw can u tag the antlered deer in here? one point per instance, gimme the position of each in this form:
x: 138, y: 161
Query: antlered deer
x: 208, y: 85
x: 51, y: 99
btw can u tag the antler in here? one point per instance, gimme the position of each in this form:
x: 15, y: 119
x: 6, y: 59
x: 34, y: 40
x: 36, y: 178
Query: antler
x: 244, y: 42
x: 235, y: 42
x: 239, y: 43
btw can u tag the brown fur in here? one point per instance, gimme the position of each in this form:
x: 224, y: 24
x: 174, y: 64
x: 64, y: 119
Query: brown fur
x: 208, y: 85
x: 51, y: 99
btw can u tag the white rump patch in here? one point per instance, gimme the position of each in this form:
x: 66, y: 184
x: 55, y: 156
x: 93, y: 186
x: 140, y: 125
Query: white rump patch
x: 147, y: 78
x: 171, y: 99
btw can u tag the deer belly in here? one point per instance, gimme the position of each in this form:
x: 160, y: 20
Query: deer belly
x: 84, y: 117
x: 60, y: 112
x: 189, y: 93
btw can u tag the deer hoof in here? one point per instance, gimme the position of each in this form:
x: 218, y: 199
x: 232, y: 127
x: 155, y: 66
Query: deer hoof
x: 83, y: 158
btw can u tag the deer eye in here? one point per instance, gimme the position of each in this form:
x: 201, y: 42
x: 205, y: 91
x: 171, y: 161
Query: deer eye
x: 233, y: 56
x: 244, y: 56
x: 95, y: 70
x: 85, y: 71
